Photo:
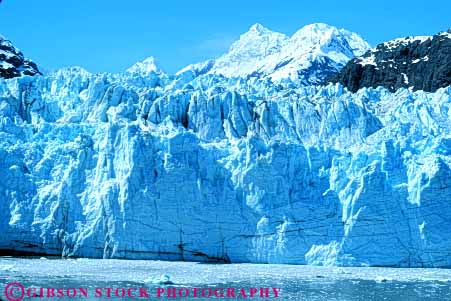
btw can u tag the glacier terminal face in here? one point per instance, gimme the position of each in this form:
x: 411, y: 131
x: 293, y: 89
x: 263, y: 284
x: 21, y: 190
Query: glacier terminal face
x: 220, y: 169
x: 244, y: 158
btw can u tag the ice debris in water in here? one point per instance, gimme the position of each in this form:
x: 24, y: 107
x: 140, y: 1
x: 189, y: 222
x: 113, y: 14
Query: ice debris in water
x: 163, y: 279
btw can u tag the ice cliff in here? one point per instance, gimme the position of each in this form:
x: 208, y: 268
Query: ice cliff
x: 212, y: 168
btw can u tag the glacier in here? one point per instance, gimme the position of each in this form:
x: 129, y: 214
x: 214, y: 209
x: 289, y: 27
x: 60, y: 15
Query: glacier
x: 206, y: 166
x: 224, y: 169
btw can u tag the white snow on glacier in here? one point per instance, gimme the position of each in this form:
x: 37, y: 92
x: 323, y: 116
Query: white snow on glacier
x: 199, y: 166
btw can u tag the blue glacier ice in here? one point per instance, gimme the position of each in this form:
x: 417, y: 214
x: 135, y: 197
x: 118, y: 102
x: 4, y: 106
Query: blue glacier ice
x: 204, y: 167
x: 117, y: 166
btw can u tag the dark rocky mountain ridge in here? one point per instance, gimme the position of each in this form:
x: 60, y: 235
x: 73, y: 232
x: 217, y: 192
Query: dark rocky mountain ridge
x: 13, y: 63
x: 420, y: 63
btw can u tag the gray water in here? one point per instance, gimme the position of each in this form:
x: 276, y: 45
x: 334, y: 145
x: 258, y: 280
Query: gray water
x: 295, y: 282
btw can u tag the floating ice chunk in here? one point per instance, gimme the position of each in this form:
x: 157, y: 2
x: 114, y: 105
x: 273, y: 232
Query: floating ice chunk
x: 163, y: 279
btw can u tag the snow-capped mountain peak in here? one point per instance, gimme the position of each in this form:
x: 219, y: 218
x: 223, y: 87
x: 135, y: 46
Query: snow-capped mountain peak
x: 146, y: 66
x: 258, y: 28
x: 321, y: 39
x: 310, y: 55
x: 252, y: 48
x: 314, y: 30
x: 323, y: 35
x: 259, y: 39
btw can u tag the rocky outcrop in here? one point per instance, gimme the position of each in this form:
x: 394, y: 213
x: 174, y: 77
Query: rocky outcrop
x: 13, y: 63
x: 420, y: 63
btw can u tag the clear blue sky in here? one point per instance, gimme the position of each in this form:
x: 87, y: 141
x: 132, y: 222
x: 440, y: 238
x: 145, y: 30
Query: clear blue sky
x: 110, y: 35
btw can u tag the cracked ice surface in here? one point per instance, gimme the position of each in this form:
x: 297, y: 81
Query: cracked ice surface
x: 175, y: 168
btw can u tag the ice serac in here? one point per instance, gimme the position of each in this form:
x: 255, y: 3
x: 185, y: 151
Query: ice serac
x: 309, y: 56
x: 145, y: 67
x: 212, y: 168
